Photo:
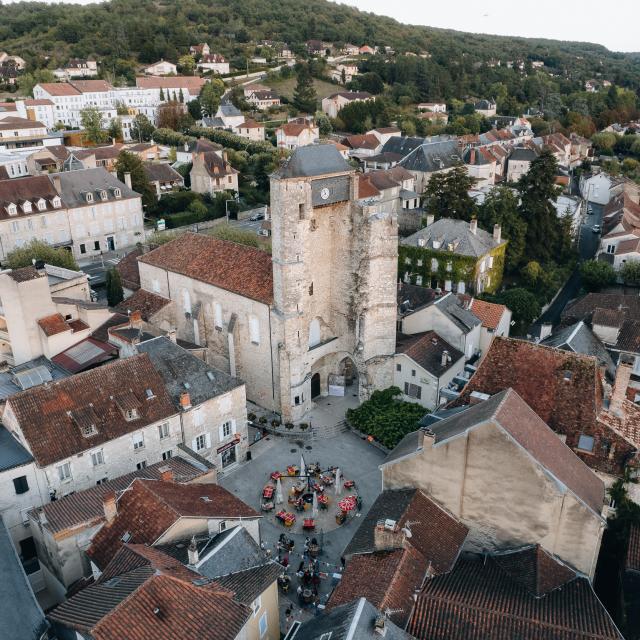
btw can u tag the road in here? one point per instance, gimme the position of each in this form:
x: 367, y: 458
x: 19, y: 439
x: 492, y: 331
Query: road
x: 587, y: 247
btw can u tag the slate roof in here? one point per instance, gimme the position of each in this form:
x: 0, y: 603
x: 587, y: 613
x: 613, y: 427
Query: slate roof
x: 523, y: 154
x: 352, y: 621
x: 426, y: 349
x: 628, y: 337
x: 146, y: 302
x: 481, y: 600
x: 313, y: 160
x: 453, y: 308
x: 101, y: 333
x: 432, y: 156
x: 161, y: 172
x: 511, y: 413
x: 234, y: 267
x: 52, y: 417
x: 20, y: 614
x: 580, y: 339
x: 86, y: 508
x: 228, y: 109
x: 458, y: 234
x: 150, y: 507
x: 412, y: 297
x: 178, y: 367
x: 73, y: 184
x: 202, y: 145
x: 247, y: 585
x: 12, y: 453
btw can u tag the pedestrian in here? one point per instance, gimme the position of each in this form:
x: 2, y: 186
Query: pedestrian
x: 285, y: 561
x: 343, y: 562
x: 299, y: 592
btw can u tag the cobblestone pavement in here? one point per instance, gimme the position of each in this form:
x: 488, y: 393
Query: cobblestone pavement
x: 356, y: 459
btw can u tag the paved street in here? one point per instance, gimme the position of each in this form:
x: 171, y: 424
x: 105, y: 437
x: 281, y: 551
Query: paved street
x: 587, y: 247
x: 357, y: 459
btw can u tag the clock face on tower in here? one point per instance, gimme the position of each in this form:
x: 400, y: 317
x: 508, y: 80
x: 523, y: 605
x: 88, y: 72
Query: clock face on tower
x: 324, y: 194
x: 326, y: 191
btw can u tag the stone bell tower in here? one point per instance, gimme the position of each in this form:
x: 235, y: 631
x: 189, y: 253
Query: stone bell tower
x: 335, y: 271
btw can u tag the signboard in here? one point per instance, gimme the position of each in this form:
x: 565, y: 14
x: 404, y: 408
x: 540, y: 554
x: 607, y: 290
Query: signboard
x: 227, y: 446
x: 161, y: 225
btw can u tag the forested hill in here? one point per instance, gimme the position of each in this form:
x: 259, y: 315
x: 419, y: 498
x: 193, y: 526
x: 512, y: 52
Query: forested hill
x: 124, y: 33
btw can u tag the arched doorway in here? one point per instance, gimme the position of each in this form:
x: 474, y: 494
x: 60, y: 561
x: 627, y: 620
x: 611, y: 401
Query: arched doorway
x: 315, y: 385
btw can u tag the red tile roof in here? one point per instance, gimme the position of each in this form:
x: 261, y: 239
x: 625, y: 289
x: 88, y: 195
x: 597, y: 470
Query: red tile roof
x: 234, y: 267
x: 128, y: 270
x: 364, y: 141
x: 146, y: 302
x: 84, y: 509
x: 480, y: 600
x: 489, y: 313
x: 427, y: 349
x: 150, y: 507
x: 193, y: 83
x: 53, y: 324
x: 68, y: 416
x: 59, y: 88
x: 92, y: 86
x: 387, y: 579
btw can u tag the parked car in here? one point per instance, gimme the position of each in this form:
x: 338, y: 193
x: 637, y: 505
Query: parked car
x: 256, y: 216
x: 596, y: 228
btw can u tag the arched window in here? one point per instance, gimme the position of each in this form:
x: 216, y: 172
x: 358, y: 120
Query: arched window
x: 314, y: 332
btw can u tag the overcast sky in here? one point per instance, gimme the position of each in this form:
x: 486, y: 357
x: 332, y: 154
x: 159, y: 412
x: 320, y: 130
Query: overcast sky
x: 613, y: 24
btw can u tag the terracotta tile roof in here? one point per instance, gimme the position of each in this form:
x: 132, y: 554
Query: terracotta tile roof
x: 234, y: 267
x: 91, y: 86
x: 24, y: 274
x: 85, y: 508
x: 150, y: 507
x: 608, y: 317
x: 632, y: 561
x: 55, y: 323
x: 71, y: 415
x: 215, y: 165
x: 587, y: 305
x: 8, y: 124
x: 562, y: 387
x: 489, y: 313
x: 128, y: 270
x: 479, y: 600
x: 387, y: 579
x: 427, y: 349
x: 193, y: 83
x: 251, y: 124
x: 365, y: 187
x: 146, y: 302
x: 364, y: 141
x: 27, y: 189
x: 293, y: 129
x: 59, y: 88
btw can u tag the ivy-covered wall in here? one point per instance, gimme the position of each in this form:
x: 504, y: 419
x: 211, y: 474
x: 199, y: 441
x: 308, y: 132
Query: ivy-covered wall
x: 451, y: 266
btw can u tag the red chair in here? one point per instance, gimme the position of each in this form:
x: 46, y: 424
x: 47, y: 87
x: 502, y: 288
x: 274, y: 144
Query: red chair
x: 309, y: 524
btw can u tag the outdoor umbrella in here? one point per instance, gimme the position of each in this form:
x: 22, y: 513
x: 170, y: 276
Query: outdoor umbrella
x: 279, y: 498
x: 338, y: 483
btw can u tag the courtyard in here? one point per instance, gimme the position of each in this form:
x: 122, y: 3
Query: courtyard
x: 358, y: 462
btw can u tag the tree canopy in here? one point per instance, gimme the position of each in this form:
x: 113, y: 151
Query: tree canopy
x: 128, y: 162
x: 447, y: 195
x: 38, y: 250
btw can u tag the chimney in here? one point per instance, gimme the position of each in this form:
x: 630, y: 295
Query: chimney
x: 127, y: 179
x: 473, y: 226
x: 192, y: 552
x: 135, y: 320
x: 55, y: 178
x: 166, y: 474
x: 497, y: 232
x: 109, y: 505
x: 444, y: 359
x: 387, y: 535
x: 623, y: 376
x: 185, y: 400
x: 430, y: 219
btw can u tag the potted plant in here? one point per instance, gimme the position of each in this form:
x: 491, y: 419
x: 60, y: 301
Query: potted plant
x: 262, y: 420
x: 288, y: 425
x: 275, y: 422
x: 304, y: 426
x: 251, y: 417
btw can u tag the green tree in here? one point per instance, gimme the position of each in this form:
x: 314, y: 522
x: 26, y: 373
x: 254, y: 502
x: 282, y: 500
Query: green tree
x: 186, y: 65
x: 141, y: 128
x: 447, y: 195
x: 596, y: 274
x: 161, y: 94
x: 210, y: 97
x: 91, y: 121
x: 27, y: 81
x: 523, y: 304
x: 39, y: 250
x: 305, y: 97
x: 115, y: 129
x: 130, y: 163
x: 538, y: 194
x: 115, y: 294
x: 193, y: 107
x: 501, y: 207
x: 180, y: 96
x: 630, y: 272
x: 324, y: 123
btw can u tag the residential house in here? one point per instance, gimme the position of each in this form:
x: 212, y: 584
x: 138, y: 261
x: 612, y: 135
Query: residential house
x: 559, y: 146
x: 152, y: 86
x: 621, y: 227
x: 63, y: 529
x: 541, y: 492
x: 434, y: 107
x: 156, y: 594
x: 161, y: 68
x: 162, y: 177
x: 358, y: 616
x: 362, y: 146
x: 495, y: 319
x: 229, y: 114
x: 201, y: 49
x: 19, y: 62
x: 104, y: 156
x: 509, y: 594
x: 18, y: 133
x: 424, y: 156
x: 421, y: 309
x: 454, y: 255
x: 213, y: 62
x: 480, y: 163
x: 425, y: 364
x: 567, y: 391
x: 46, y: 160
x: 43, y: 312
x: 570, y: 207
x: 599, y: 187
x: 350, y: 49
x: 211, y: 173
x: 247, y: 90
x: 366, y: 50
x: 34, y: 110
x: 344, y: 73
x: 317, y: 48
x: 251, y: 130
x: 519, y: 162
x: 385, y: 133
x: 127, y: 267
x: 146, y: 151
x: 297, y: 133
x: 486, y: 108
x: 434, y: 117
x: 263, y: 100
x: 332, y: 104
x: 20, y: 615
x: 77, y: 68
x: 394, y: 550
x: 186, y: 153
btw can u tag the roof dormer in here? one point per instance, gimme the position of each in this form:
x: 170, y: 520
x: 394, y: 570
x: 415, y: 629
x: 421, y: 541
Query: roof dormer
x: 12, y: 209
x: 103, y: 194
x: 41, y: 204
x: 116, y: 192
x: 88, y: 196
x: 26, y: 206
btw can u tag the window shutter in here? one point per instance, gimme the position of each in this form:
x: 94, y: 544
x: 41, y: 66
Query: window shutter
x: 233, y: 426
x: 194, y: 444
x: 221, y: 432
x: 208, y: 439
